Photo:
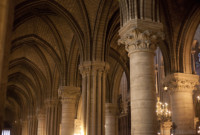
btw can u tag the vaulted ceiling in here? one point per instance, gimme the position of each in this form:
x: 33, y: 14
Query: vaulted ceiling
x: 52, y: 37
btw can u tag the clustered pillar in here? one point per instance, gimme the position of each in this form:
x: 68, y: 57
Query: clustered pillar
x: 141, y: 45
x: 111, y: 119
x: 181, y: 88
x: 52, y: 120
x: 93, y: 95
x: 69, y: 96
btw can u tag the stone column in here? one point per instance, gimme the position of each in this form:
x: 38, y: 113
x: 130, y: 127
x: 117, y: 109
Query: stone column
x: 69, y: 96
x: 52, y: 120
x: 24, y: 127
x: 6, y: 25
x: 93, y: 95
x: 32, y: 125
x: 111, y: 119
x: 166, y: 127
x: 141, y: 45
x: 181, y: 88
x: 41, y: 122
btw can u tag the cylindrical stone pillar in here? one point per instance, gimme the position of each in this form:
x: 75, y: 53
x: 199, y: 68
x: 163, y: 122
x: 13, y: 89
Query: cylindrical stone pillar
x: 69, y: 96
x: 166, y: 127
x: 110, y: 119
x: 41, y: 122
x: 181, y: 88
x: 52, y: 120
x: 141, y: 45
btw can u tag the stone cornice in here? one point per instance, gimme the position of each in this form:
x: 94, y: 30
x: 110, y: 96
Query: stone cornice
x: 93, y: 67
x: 69, y: 94
x: 141, y: 40
x: 181, y: 82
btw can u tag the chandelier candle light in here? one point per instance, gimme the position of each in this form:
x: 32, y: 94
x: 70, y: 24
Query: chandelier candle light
x: 162, y: 111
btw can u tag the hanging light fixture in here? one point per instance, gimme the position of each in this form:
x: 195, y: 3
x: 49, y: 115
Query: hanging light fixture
x: 162, y: 111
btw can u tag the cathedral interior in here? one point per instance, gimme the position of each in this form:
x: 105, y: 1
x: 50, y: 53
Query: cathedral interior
x: 99, y: 67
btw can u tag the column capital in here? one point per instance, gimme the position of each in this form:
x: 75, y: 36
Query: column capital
x: 111, y: 109
x: 51, y: 102
x: 93, y: 66
x: 138, y: 40
x: 181, y: 82
x: 69, y: 94
x: 167, y: 124
x: 40, y: 113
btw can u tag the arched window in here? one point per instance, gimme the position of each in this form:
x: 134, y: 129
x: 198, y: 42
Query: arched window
x: 5, y: 132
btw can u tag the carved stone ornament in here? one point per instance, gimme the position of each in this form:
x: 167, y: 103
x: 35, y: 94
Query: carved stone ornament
x: 181, y: 82
x: 51, y: 102
x: 167, y: 125
x: 139, y: 40
x: 40, y: 113
x: 69, y: 93
x: 111, y: 109
x: 93, y: 67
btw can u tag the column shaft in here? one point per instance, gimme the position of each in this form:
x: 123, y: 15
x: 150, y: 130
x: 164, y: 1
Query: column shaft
x: 183, y: 110
x: 111, y: 120
x: 143, y: 95
x: 41, y: 124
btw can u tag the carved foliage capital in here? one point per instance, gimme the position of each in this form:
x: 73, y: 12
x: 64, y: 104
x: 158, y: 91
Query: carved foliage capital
x: 40, y: 113
x: 167, y: 125
x: 69, y: 94
x: 93, y: 67
x: 180, y: 82
x: 111, y: 109
x: 140, y: 40
x: 51, y: 102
